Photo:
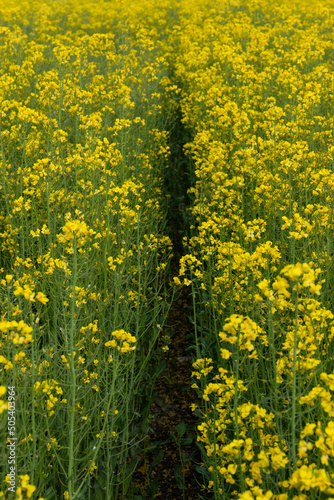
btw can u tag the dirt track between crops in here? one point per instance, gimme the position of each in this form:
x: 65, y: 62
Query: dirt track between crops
x: 171, y: 406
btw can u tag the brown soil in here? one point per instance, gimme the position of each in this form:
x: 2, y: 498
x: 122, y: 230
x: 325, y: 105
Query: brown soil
x: 171, y: 407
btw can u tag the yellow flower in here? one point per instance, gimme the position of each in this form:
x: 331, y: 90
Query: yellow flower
x: 3, y: 406
x: 30, y: 490
x: 42, y: 298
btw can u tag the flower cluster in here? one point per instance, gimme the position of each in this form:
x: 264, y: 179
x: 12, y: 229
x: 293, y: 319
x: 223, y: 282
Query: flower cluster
x: 122, y: 341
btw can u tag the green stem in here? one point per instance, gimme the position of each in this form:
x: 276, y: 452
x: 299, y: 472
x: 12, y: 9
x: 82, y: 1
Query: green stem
x: 294, y: 388
x: 71, y: 473
x: 195, y: 319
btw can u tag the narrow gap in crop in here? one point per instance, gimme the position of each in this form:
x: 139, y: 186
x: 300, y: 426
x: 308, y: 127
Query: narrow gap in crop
x: 177, y: 183
x: 168, y: 466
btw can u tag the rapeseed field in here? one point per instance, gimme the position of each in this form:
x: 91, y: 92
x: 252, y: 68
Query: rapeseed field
x: 90, y: 93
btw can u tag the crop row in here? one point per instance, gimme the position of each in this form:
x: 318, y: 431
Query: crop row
x: 84, y: 252
x: 257, y: 97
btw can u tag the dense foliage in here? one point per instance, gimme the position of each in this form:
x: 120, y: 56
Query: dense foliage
x: 90, y: 93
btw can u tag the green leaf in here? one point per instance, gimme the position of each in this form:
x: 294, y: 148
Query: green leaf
x: 181, y: 429
x: 187, y: 440
x: 158, y: 459
x: 203, y: 471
